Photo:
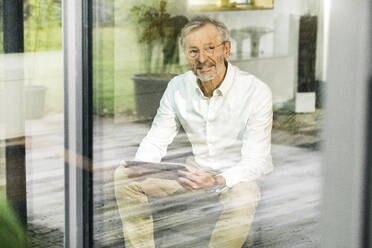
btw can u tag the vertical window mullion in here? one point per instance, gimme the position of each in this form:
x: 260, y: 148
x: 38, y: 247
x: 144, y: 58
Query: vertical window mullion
x: 343, y: 218
x: 77, y: 28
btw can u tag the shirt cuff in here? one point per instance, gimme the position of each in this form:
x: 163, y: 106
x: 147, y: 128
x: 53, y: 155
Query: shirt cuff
x: 231, y: 180
x: 235, y: 176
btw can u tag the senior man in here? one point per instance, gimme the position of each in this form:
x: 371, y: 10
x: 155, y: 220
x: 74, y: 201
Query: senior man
x: 227, y: 116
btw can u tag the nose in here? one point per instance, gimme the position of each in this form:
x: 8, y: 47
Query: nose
x: 202, y: 57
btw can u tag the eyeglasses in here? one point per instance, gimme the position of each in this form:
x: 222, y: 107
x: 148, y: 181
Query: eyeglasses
x: 209, y: 50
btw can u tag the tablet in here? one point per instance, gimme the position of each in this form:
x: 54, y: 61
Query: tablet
x: 162, y: 166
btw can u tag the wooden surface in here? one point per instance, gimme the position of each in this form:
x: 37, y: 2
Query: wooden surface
x: 287, y: 215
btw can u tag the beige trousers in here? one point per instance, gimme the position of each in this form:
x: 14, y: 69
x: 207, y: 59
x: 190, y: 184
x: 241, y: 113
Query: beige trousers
x: 232, y: 227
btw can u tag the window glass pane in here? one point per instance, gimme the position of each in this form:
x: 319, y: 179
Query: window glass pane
x: 136, y: 53
x: 31, y: 117
x: 2, y: 124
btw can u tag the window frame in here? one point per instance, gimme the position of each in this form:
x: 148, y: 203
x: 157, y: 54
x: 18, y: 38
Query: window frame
x: 346, y: 199
x: 78, y: 113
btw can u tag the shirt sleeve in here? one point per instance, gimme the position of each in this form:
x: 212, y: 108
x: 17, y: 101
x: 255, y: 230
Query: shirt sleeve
x: 164, y: 128
x: 255, y: 151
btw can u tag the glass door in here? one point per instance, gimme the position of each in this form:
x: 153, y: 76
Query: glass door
x: 80, y: 104
x: 31, y: 121
x: 133, y: 62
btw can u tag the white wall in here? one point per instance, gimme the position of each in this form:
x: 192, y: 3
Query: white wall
x: 279, y: 43
x: 276, y: 19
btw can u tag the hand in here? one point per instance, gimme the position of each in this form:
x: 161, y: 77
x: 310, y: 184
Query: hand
x: 194, y: 179
x: 136, y: 172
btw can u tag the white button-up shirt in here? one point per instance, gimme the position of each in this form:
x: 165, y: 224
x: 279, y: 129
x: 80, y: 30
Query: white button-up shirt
x: 229, y: 132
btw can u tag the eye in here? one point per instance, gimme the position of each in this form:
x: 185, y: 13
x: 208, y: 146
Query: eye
x: 210, y: 49
x: 193, y: 51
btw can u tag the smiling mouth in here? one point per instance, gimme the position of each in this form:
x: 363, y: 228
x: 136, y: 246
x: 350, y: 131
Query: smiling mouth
x: 205, y: 68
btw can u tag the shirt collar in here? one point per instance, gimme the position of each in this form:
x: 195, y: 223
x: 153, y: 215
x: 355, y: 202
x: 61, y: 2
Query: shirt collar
x: 224, y: 86
x: 227, y: 81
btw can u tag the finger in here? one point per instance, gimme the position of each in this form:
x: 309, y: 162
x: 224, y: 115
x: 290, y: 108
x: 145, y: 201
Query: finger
x: 193, y: 170
x: 185, y: 173
x: 181, y: 181
x: 188, y: 184
x: 197, y: 171
x: 194, y: 177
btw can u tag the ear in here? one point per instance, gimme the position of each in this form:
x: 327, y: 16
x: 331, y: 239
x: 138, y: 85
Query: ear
x: 227, y: 50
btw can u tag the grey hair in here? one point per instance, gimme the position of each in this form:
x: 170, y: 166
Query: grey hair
x: 200, y: 21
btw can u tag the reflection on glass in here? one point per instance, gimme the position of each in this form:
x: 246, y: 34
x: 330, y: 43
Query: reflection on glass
x: 31, y: 110
x: 128, y: 50
x: 2, y: 128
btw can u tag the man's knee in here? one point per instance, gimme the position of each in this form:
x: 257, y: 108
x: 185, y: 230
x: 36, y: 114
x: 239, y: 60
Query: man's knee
x: 121, y: 178
x: 120, y: 174
x: 124, y: 186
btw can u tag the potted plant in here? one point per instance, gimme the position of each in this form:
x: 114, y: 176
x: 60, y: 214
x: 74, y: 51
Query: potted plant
x: 156, y: 30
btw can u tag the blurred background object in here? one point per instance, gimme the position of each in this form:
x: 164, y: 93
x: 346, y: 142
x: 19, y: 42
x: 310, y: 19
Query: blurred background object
x: 12, y: 234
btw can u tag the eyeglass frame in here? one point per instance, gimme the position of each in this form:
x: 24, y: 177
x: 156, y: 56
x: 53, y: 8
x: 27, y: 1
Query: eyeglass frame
x: 205, y: 50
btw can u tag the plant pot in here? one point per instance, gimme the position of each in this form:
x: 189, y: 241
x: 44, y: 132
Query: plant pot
x: 34, y: 101
x: 305, y: 102
x: 148, y: 90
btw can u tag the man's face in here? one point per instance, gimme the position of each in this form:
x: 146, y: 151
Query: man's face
x: 206, y: 65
